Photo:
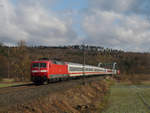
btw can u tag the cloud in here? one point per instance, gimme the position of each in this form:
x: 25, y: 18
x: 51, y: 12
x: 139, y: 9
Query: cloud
x: 29, y: 20
x: 121, y: 24
x: 111, y: 5
x: 122, y: 6
x: 117, y: 24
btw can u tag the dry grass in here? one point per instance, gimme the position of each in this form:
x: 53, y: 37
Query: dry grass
x: 136, y: 79
x: 90, y: 97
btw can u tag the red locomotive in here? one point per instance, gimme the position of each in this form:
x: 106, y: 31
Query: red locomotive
x: 52, y: 70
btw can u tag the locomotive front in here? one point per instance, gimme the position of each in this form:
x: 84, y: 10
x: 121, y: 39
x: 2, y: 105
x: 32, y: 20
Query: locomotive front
x: 39, y: 71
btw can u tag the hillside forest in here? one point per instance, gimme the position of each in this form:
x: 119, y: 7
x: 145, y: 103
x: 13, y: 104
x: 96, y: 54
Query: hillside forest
x: 15, y: 61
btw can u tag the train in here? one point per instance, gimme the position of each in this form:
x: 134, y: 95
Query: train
x: 46, y: 70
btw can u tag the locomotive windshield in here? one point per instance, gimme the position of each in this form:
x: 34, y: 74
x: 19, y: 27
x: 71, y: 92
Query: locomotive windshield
x: 39, y: 65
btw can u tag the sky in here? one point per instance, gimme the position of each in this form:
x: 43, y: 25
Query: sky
x: 117, y: 24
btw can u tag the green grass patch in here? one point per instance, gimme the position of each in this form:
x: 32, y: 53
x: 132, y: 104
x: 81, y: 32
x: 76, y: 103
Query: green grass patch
x: 8, y: 80
x: 2, y: 85
x: 6, y: 85
x: 145, y: 92
x: 124, y: 99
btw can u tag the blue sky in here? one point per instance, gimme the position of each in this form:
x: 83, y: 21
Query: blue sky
x: 72, y: 5
x: 78, y: 5
x: 118, y: 24
x: 14, y: 1
x: 62, y: 5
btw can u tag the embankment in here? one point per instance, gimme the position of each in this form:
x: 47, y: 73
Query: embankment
x: 91, y: 97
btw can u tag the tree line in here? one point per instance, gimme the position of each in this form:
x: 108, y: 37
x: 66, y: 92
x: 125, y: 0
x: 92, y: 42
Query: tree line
x: 16, y: 61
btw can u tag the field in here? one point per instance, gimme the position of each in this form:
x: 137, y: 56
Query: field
x: 127, y: 98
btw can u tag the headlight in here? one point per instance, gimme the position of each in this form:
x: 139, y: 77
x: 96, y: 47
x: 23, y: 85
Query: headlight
x: 34, y: 71
x: 43, y: 70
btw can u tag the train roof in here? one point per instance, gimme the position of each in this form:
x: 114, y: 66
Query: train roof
x: 76, y: 64
x: 58, y: 61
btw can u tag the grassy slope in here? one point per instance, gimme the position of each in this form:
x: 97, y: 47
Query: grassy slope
x: 124, y: 99
x: 2, y: 85
x: 7, y: 85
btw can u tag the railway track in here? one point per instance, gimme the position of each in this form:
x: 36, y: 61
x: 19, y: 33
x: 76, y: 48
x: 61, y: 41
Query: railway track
x: 32, y: 85
x: 23, y: 94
